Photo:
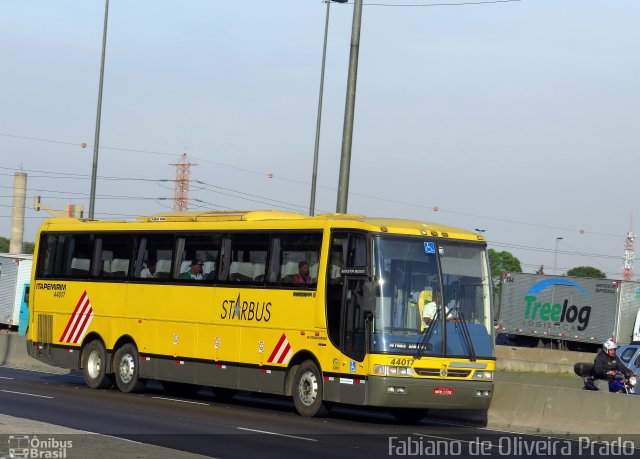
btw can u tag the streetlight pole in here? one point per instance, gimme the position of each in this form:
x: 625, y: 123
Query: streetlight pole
x: 96, y: 142
x: 347, y: 131
x: 555, y: 256
x: 314, y: 176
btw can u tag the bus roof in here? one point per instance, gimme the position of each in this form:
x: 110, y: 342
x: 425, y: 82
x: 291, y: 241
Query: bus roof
x: 279, y: 219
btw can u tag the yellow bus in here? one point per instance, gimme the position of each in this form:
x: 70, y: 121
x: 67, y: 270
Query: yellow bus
x: 335, y: 308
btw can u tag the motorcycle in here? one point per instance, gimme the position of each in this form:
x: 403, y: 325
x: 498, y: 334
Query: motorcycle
x: 619, y: 384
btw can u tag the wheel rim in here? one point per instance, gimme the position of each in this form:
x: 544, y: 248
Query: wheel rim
x: 308, y: 388
x: 94, y: 363
x: 127, y: 368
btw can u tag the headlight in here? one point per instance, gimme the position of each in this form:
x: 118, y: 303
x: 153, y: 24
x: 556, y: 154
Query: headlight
x: 633, y: 380
x: 483, y: 374
x: 389, y: 370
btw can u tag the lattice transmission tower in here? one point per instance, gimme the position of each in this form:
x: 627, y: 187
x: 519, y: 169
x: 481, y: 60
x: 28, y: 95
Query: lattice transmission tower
x: 181, y: 193
x: 627, y: 268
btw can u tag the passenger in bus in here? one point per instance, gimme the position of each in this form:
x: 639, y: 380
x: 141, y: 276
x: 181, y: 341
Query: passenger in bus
x: 429, y: 309
x: 303, y: 276
x: 195, y: 272
x: 150, y: 271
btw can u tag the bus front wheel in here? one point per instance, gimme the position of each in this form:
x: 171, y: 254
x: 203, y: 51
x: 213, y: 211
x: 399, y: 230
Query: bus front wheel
x: 94, y: 366
x: 127, y: 371
x: 308, y: 390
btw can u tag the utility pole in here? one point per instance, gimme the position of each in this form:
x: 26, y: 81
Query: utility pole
x: 96, y: 142
x: 347, y: 131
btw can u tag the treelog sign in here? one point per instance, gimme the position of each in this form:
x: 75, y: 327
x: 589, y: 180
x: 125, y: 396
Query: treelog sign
x: 568, y: 308
x: 561, y: 314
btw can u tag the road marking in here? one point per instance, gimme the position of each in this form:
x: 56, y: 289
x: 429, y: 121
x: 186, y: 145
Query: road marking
x: 181, y: 401
x: 277, y: 434
x: 24, y: 393
x: 5, y: 377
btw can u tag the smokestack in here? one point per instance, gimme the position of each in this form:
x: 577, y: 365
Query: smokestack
x: 17, y: 214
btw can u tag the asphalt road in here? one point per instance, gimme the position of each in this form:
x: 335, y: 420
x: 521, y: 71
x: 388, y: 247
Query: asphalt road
x: 248, y: 426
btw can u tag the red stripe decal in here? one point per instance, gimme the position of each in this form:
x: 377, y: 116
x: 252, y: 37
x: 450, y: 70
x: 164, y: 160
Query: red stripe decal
x: 79, y: 320
x: 74, y: 313
x: 275, y: 350
x: 284, y: 353
x: 76, y: 320
x: 83, y: 325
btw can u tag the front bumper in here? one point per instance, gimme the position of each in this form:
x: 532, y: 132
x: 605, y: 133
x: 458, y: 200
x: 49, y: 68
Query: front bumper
x: 429, y: 393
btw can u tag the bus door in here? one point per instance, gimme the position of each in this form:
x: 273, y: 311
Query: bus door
x: 347, y: 315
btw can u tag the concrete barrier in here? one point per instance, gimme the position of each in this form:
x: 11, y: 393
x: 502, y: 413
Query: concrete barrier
x: 511, y: 358
x: 557, y: 410
x: 13, y: 353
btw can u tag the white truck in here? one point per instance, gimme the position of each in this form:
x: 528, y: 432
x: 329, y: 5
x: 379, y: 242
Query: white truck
x: 15, y: 272
x: 567, y: 312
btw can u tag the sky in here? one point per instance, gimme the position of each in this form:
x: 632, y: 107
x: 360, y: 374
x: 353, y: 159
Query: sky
x: 518, y: 118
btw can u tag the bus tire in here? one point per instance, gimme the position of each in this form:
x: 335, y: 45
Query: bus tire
x: 180, y: 389
x: 307, y: 390
x: 125, y: 365
x: 409, y: 415
x: 94, y: 366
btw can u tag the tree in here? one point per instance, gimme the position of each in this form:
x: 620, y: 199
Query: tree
x: 586, y: 271
x: 27, y: 247
x: 502, y: 262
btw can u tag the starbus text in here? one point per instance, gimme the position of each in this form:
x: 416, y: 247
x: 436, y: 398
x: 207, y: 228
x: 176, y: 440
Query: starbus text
x: 246, y: 310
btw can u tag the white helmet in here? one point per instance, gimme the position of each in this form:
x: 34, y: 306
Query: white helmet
x: 609, y: 344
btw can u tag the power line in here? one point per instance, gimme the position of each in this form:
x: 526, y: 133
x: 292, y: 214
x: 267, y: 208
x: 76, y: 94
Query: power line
x: 545, y: 250
x: 301, y: 182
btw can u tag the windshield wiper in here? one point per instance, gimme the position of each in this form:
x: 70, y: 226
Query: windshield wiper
x: 466, y: 336
x: 426, y: 335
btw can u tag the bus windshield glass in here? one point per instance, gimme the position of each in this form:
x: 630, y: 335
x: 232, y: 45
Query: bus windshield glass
x: 423, y: 284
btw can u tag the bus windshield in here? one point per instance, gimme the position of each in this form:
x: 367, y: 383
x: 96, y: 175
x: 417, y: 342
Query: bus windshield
x: 424, y: 284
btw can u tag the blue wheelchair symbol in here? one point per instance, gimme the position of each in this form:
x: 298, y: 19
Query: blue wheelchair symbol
x: 429, y: 247
x: 352, y: 366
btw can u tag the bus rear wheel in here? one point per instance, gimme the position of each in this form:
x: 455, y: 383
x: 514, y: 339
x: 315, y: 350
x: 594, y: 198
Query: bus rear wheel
x: 308, y: 391
x: 127, y: 371
x: 94, y: 366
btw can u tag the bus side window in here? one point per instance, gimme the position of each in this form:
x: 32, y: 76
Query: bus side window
x: 47, y: 255
x: 201, y: 247
x: 73, y: 256
x: 152, y: 256
x: 244, y: 258
x: 112, y: 255
x: 289, y: 252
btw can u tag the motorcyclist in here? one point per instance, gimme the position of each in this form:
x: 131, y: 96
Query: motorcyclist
x: 606, y: 364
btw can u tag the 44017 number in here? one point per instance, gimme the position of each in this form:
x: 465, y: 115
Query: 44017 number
x: 405, y: 362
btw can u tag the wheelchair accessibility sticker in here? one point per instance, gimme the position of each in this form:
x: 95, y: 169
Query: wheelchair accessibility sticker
x: 429, y: 247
